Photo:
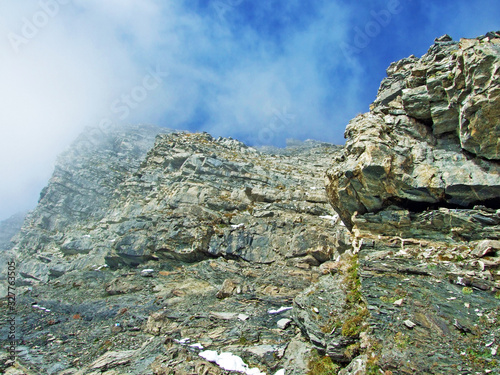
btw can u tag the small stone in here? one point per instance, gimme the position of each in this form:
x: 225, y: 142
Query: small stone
x: 316, y: 310
x: 224, y: 315
x: 409, y: 324
x: 113, y: 359
x: 243, y: 317
x: 147, y: 272
x: 227, y: 289
x: 284, y: 323
x: 262, y: 350
x: 399, y: 302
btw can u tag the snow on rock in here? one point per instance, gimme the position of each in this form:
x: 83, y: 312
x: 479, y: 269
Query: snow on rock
x: 147, y: 272
x: 333, y: 218
x: 230, y: 362
x: 196, y: 346
x: 35, y: 306
x: 280, y: 310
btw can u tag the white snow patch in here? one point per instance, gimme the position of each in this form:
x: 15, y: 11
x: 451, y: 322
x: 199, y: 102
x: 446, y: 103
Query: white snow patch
x: 230, y: 362
x: 209, y: 355
x: 40, y: 308
x: 237, y: 226
x: 196, y: 346
x: 243, y: 317
x: 333, y: 218
x: 280, y: 310
x: 280, y: 372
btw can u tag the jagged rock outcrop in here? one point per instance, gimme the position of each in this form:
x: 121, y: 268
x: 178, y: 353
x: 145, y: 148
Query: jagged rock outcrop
x: 418, y: 184
x: 432, y: 135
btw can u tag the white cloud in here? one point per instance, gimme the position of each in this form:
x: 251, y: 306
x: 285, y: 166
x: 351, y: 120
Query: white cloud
x: 71, y: 64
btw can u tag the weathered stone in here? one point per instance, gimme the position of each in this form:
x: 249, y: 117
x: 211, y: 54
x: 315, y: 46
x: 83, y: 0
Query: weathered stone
x: 318, y: 310
x: 113, y: 359
x: 284, y: 323
x: 227, y: 289
x: 486, y: 247
x: 416, y: 103
x: 297, y: 356
x: 416, y: 160
x: 356, y: 367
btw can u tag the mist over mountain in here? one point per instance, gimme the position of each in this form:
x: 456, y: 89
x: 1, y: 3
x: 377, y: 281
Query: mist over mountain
x: 260, y: 72
x: 157, y: 251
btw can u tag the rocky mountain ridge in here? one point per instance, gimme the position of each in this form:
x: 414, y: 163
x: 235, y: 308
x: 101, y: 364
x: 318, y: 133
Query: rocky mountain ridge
x: 152, y: 253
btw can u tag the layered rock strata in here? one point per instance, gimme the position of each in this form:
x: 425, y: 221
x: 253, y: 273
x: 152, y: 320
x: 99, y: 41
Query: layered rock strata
x: 133, y: 250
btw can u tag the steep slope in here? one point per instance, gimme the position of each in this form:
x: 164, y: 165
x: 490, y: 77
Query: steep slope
x: 78, y: 195
x: 225, y: 234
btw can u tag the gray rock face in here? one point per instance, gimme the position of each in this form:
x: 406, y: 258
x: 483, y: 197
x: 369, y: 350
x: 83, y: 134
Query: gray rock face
x: 431, y: 138
x: 223, y: 232
x: 190, y: 198
x: 78, y: 195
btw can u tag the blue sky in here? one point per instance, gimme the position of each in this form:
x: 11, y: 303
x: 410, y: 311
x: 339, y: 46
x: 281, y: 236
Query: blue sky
x: 258, y: 71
